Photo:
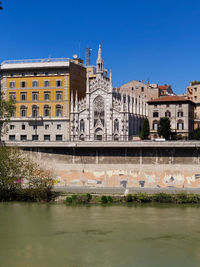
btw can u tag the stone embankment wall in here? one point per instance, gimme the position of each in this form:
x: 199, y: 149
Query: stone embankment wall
x: 122, y: 167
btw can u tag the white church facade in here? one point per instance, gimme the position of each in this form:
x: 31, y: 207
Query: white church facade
x: 105, y: 113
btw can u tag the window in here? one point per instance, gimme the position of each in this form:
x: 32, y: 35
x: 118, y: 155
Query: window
x: 46, y: 126
x: 12, y: 137
x: 58, y: 111
x: 12, y: 84
x: 58, y: 137
x: 195, y: 97
x: 180, y: 113
x: 155, y: 114
x: 23, y: 111
x: 167, y: 105
x: 12, y: 127
x: 58, y: 126
x: 155, y: 106
x: 58, y: 96
x: 35, y: 96
x: 180, y: 125
x: 35, y: 84
x: 35, y: 137
x: 155, y: 125
x: 116, y: 125
x: 12, y: 96
x: 34, y: 127
x: 46, y: 83
x: 180, y: 105
x: 23, y: 96
x: 34, y: 111
x: 23, y: 137
x: 195, y: 89
x: 142, y: 89
x: 46, y: 111
x: 47, y: 137
x: 167, y: 113
x: 47, y: 96
x: 82, y: 126
x: 46, y: 73
x: 23, y: 74
x: 23, y: 126
x: 23, y: 84
x: 12, y: 113
x: 58, y: 83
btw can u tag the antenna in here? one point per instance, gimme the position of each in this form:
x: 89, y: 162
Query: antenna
x: 87, y: 56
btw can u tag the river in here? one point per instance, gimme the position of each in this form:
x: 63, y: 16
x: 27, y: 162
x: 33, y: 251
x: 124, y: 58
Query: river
x: 58, y: 235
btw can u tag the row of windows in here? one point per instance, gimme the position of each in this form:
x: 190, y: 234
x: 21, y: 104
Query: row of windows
x: 167, y: 114
x: 35, y: 96
x: 35, y: 84
x: 35, y: 74
x: 46, y: 111
x: 180, y: 125
x: 35, y: 137
x: 167, y: 105
x: 46, y: 126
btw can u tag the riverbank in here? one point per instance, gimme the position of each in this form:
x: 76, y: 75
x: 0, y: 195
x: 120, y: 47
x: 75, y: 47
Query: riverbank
x: 84, y: 199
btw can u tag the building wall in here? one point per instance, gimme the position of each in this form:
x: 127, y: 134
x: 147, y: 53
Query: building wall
x: 193, y: 93
x: 122, y: 167
x: 173, y: 108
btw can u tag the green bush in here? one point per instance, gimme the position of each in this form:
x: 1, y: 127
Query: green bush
x: 109, y: 198
x: 181, y: 198
x: 142, y: 197
x: 162, y: 198
x: 104, y: 200
x: 129, y: 198
x: 69, y: 200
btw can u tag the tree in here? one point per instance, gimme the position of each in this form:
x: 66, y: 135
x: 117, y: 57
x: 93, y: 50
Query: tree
x: 21, y: 178
x: 6, y: 110
x: 196, y: 134
x: 164, y: 128
x: 144, y: 134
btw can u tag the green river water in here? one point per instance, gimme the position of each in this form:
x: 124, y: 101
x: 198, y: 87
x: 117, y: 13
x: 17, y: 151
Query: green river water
x: 58, y: 235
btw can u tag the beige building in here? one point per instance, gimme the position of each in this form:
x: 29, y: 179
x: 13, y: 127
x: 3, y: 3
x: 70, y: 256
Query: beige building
x: 193, y: 93
x: 179, y: 110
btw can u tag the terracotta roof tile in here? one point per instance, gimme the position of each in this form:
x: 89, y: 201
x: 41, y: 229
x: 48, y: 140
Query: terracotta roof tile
x: 173, y: 98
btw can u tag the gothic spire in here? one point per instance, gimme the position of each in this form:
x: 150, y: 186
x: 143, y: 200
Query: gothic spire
x: 100, y: 63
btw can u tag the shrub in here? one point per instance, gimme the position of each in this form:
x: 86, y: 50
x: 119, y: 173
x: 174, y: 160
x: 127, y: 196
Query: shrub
x: 162, y: 198
x: 69, y: 200
x: 104, y: 200
x: 109, y: 198
x: 182, y: 198
x: 142, y: 197
x: 74, y: 199
x: 129, y: 198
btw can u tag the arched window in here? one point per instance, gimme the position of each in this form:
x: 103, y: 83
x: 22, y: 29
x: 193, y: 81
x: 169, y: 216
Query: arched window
x: 116, y: 125
x: 155, y: 114
x: 116, y: 137
x: 35, y: 111
x: 46, y: 111
x: 81, y: 137
x: 168, y: 114
x: 180, y: 125
x: 23, y: 111
x: 155, y: 125
x: 180, y: 114
x: 59, y: 111
x: 98, y: 111
x: 82, y: 126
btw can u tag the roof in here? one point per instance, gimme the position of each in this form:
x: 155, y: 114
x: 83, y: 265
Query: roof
x: 173, y: 98
x: 164, y: 87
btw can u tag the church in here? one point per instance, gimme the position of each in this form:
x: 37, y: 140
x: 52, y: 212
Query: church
x: 105, y: 113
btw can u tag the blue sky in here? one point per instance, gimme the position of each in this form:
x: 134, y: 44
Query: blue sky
x: 140, y: 39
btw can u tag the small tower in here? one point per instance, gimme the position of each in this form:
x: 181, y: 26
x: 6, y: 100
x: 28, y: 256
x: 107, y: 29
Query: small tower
x: 100, y: 63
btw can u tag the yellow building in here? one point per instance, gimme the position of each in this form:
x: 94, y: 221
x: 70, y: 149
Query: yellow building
x: 41, y: 89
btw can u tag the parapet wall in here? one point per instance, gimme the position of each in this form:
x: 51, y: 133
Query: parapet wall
x: 153, y: 166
